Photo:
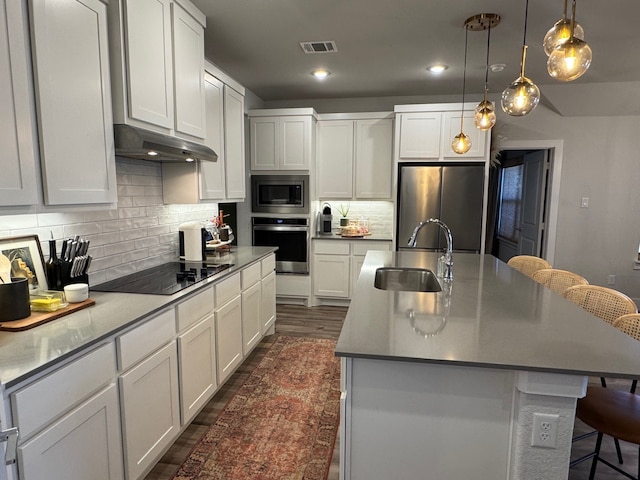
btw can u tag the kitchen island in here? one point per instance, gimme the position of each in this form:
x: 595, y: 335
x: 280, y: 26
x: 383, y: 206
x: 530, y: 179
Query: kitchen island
x: 449, y: 384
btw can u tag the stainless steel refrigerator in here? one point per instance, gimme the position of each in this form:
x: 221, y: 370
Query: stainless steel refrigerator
x: 452, y: 193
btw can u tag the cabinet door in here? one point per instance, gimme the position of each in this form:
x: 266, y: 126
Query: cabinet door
x: 335, y: 158
x: 71, y: 67
x: 251, y: 331
x: 451, y: 128
x: 234, y: 144
x: 356, y: 266
x: 331, y: 276
x: 197, y: 354
x: 265, y: 146
x: 150, y: 409
x: 229, y: 337
x: 149, y: 73
x: 84, y: 443
x: 268, y: 302
x: 420, y: 135
x: 212, y: 174
x: 18, y: 181
x: 188, y: 71
x: 374, y: 159
x: 296, y: 145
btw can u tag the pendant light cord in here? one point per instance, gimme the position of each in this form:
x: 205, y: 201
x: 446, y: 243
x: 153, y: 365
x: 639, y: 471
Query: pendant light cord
x: 486, y: 70
x: 526, y: 17
x: 464, y: 75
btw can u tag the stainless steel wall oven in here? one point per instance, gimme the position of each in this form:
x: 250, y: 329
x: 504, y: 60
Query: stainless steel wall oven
x: 280, y: 194
x: 290, y: 235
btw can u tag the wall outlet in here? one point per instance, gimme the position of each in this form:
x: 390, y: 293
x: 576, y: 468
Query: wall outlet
x: 611, y: 280
x: 545, y: 430
x: 584, y: 202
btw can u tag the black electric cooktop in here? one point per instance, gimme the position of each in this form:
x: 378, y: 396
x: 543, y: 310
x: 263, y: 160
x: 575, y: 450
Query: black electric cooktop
x: 165, y: 279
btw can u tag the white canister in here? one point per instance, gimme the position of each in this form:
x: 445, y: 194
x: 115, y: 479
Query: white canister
x: 76, y: 292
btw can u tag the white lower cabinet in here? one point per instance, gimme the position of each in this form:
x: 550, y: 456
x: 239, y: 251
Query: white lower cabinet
x: 84, y: 443
x: 229, y: 337
x: 197, y: 362
x: 337, y: 264
x: 268, y: 302
x: 251, y: 331
x: 150, y: 409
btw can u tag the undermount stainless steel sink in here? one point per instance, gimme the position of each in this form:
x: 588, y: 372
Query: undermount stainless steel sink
x: 406, y: 279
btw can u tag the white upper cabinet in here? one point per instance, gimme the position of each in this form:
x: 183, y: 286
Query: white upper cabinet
x: 355, y: 157
x: 224, y: 179
x: 420, y: 135
x: 425, y: 132
x: 234, y: 141
x: 188, y: 71
x: 73, y: 99
x: 282, y: 139
x: 157, y: 55
x: 18, y: 184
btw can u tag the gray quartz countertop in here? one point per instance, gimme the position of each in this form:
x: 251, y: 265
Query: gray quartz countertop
x: 27, y: 352
x: 492, y: 316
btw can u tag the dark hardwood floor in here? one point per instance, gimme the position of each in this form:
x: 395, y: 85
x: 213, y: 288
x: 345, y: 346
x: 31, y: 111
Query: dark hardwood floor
x: 326, y: 322
x: 291, y: 320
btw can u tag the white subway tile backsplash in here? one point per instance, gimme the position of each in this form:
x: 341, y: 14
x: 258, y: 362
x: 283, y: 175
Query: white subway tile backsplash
x: 119, y: 247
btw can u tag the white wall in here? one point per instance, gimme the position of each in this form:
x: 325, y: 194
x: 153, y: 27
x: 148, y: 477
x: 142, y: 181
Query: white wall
x: 600, y: 161
x: 140, y: 233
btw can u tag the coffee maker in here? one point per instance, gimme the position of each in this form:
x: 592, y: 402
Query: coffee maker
x: 192, y: 239
x: 324, y: 220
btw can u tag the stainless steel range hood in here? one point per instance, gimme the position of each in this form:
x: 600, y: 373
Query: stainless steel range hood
x: 135, y: 142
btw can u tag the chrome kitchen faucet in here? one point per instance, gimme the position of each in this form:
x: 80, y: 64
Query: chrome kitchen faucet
x: 448, y: 259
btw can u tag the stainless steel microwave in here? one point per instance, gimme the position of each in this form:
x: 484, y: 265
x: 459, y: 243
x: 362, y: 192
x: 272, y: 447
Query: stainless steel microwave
x: 280, y: 193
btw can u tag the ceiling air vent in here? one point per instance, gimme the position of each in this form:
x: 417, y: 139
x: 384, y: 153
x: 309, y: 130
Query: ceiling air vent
x: 319, y: 47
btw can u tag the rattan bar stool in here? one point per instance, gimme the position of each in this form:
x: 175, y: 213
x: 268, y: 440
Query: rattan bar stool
x: 558, y: 280
x: 605, y: 303
x: 528, y: 264
x: 613, y: 412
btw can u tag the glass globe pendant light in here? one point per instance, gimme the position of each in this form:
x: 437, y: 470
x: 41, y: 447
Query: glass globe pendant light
x: 485, y: 113
x: 561, y: 32
x: 522, y: 95
x: 462, y: 143
x: 571, y: 59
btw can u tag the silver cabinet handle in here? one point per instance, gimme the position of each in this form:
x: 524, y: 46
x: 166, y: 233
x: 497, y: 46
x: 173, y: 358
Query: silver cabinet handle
x: 10, y: 436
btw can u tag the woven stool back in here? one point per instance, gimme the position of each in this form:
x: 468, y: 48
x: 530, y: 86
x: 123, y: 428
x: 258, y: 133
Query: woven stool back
x: 603, y: 302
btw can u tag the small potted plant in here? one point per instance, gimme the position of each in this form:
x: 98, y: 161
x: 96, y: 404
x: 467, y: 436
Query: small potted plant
x: 344, y: 211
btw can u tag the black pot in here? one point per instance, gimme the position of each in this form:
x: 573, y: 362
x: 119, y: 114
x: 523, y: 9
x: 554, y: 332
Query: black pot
x: 14, y: 300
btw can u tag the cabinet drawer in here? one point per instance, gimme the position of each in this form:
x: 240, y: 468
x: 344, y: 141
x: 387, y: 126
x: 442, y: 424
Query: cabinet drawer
x: 268, y: 265
x: 251, y: 275
x: 360, y: 248
x: 227, y: 289
x: 44, y: 400
x: 143, y: 340
x: 331, y: 247
x: 195, y: 308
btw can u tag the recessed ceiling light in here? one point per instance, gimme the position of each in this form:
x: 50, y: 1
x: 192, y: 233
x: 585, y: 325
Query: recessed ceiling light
x: 497, y: 67
x: 321, y: 73
x: 152, y: 153
x: 437, y: 68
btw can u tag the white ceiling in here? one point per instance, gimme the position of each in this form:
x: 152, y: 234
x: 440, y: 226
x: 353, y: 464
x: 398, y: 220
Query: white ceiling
x: 384, y: 47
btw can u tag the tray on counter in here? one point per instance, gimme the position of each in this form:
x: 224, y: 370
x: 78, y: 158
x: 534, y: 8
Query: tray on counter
x: 38, y: 318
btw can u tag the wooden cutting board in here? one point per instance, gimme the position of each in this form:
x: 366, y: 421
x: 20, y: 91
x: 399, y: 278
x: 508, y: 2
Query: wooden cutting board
x: 38, y: 318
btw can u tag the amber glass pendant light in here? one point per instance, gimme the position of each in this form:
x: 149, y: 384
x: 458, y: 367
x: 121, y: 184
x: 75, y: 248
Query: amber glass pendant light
x: 462, y: 143
x: 485, y: 115
x: 522, y: 95
x: 561, y: 32
x: 571, y: 59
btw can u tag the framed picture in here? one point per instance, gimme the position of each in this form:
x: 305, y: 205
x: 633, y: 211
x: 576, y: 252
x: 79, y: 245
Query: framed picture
x: 26, y: 259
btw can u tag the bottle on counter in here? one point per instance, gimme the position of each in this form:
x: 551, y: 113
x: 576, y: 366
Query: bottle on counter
x: 53, y: 268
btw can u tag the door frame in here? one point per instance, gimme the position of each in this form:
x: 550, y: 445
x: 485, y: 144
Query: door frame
x: 555, y: 148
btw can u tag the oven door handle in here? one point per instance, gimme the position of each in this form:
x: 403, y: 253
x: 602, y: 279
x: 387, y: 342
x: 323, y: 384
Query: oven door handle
x: 279, y: 228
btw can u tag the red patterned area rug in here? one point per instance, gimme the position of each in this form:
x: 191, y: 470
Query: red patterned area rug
x: 281, y: 424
